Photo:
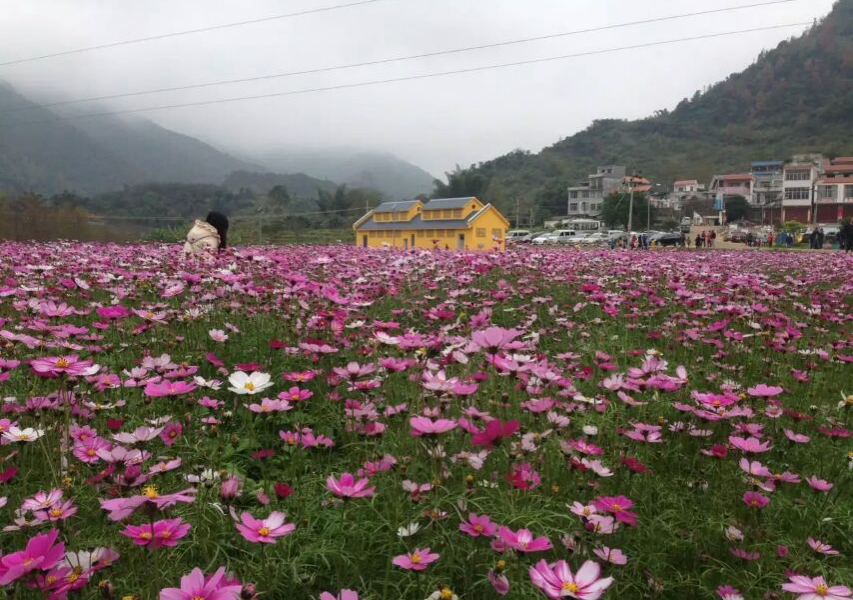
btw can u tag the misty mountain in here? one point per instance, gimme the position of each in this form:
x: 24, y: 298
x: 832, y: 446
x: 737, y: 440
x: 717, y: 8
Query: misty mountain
x: 42, y: 153
x: 393, y: 176
x: 793, y: 99
x: 297, y: 184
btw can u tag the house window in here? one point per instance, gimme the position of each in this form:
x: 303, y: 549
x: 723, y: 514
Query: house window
x: 573, y: 207
x: 797, y: 194
x: 796, y: 176
x: 826, y: 191
x: 848, y: 191
x: 573, y: 194
x: 447, y: 214
x: 497, y: 233
x: 481, y: 232
x: 585, y: 194
x: 457, y: 213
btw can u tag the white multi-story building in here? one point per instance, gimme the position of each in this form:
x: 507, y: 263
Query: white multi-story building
x: 799, y: 178
x: 686, y: 187
x: 586, y: 199
x: 733, y: 184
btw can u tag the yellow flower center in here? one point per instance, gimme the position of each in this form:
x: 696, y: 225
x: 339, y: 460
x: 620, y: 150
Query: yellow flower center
x: 166, y: 534
x: 149, y: 315
x: 265, y: 407
x: 615, y: 508
x: 28, y: 562
x: 62, y: 363
x: 249, y: 386
x: 145, y: 535
x: 50, y: 579
x: 415, y: 558
x: 264, y: 531
x: 72, y: 577
x: 753, y: 503
x: 570, y: 586
x: 501, y: 565
x: 198, y: 598
x: 55, y: 513
x: 90, y: 452
x: 150, y: 491
x: 446, y: 594
x: 23, y: 437
x: 821, y: 589
x: 478, y: 528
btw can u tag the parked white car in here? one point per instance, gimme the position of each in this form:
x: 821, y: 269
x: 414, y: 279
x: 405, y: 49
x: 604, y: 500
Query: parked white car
x: 516, y: 235
x: 564, y: 236
x: 544, y: 238
x: 593, y: 239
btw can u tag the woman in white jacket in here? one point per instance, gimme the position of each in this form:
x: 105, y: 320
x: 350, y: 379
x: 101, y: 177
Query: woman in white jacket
x: 208, y: 235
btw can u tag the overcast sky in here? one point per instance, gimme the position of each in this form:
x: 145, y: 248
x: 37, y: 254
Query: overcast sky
x: 435, y: 123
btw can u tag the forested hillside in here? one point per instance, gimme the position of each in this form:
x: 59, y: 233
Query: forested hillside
x: 795, y: 98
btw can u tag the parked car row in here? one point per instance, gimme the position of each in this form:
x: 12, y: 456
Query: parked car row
x: 600, y: 238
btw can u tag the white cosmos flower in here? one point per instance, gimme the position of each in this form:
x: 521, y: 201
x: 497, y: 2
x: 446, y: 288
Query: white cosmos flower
x: 245, y: 383
x: 16, y: 434
x: 409, y: 530
x: 213, y: 384
x: 590, y: 429
x: 217, y: 335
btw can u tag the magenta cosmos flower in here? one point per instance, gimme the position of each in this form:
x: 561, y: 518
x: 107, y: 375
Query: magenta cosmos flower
x: 755, y: 500
x: 815, y: 588
x: 40, y: 553
x: 264, y: 531
x: 425, y: 426
x: 494, y: 432
x: 497, y: 338
x: 195, y: 586
x: 416, y: 560
x: 53, y: 366
x: 168, y: 388
x: 617, y: 506
x: 523, y: 541
x: 558, y: 581
x: 163, y: 533
x: 477, y: 525
x: 347, y: 487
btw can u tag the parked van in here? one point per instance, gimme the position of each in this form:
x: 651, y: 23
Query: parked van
x: 564, y: 236
x: 517, y: 235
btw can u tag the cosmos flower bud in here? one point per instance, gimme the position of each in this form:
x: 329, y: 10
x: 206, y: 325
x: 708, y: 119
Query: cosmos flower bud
x: 248, y: 592
x: 230, y: 488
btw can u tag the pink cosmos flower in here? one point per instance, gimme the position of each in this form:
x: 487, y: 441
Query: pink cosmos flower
x: 611, y: 555
x: 347, y: 487
x: 416, y: 560
x: 556, y: 580
x: 342, y: 595
x: 727, y: 592
x: 523, y: 540
x: 53, y: 366
x: 617, y: 506
x: 797, y: 437
x: 821, y: 548
x: 163, y: 533
x: 815, y: 588
x: 168, y: 388
x: 755, y: 500
x: 40, y: 553
x: 295, y: 394
x: 264, y: 531
x: 494, y: 432
x: 477, y: 525
x: 422, y: 426
x: 744, y: 554
x: 765, y: 391
x: 87, y: 451
x: 42, y: 500
x: 820, y: 485
x: 499, y: 582
x: 754, y: 468
x: 58, y: 512
x: 171, y: 432
x: 496, y: 338
x: 750, y: 444
x: 195, y: 586
x: 140, y: 434
x: 120, y: 508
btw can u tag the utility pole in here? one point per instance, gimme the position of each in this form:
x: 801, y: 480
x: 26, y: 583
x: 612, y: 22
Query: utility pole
x: 517, y: 209
x: 631, y: 203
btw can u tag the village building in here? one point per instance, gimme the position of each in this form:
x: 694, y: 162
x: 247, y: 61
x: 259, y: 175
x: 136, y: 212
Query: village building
x: 446, y: 223
x: 798, y: 186
x: 834, y: 190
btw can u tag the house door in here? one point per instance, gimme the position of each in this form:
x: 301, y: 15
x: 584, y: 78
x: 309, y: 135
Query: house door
x: 364, y: 241
x: 460, y: 241
x: 405, y: 243
x: 413, y: 240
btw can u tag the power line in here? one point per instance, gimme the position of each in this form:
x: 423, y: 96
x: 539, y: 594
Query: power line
x: 190, y: 32
x: 235, y: 218
x: 413, y: 77
x: 394, y: 59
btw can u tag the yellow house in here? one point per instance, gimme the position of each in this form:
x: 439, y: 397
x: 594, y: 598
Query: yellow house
x: 448, y: 223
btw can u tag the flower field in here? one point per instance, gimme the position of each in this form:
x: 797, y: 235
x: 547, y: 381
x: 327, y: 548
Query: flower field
x: 342, y: 423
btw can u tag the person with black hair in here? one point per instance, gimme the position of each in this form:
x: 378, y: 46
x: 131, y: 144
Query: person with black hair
x: 209, y: 235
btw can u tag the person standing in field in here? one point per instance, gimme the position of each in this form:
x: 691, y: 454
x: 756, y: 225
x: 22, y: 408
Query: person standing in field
x: 207, y: 236
x: 713, y: 238
x: 846, y: 236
